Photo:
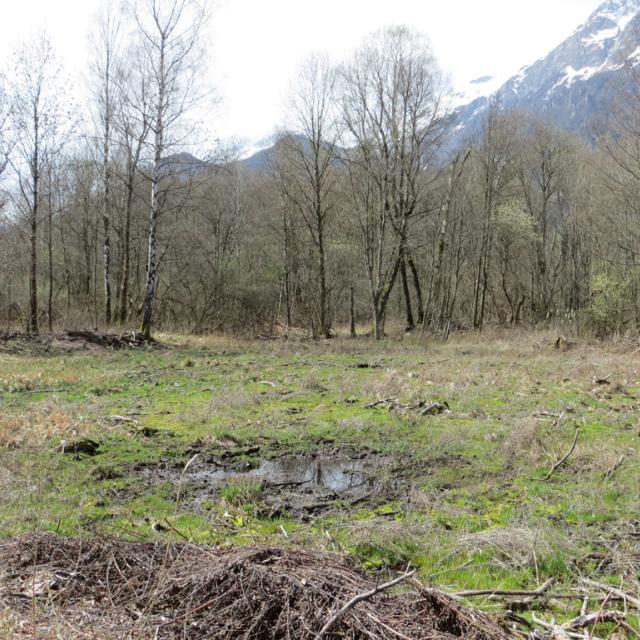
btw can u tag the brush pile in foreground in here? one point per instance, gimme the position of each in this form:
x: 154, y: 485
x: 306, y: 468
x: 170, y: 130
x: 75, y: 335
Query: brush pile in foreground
x: 56, y: 587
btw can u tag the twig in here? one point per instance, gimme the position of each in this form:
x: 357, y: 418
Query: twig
x: 585, y: 604
x: 618, y: 463
x: 546, y: 414
x: 36, y: 391
x: 182, y: 475
x: 540, y: 591
x: 559, y: 633
x: 377, y: 403
x: 595, y: 618
x: 615, y: 591
x: 526, y: 594
x: 560, y: 462
x: 625, y: 625
x: 176, y: 531
x: 387, y: 627
x: 359, y: 598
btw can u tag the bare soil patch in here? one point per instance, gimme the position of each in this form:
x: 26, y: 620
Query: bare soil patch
x: 112, y: 589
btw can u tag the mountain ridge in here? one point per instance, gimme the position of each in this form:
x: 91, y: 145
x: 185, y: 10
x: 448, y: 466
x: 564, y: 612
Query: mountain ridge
x: 571, y: 85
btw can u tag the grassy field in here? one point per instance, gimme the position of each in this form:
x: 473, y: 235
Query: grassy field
x: 182, y: 442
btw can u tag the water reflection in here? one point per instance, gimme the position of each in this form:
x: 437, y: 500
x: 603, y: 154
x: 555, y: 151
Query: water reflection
x: 328, y: 473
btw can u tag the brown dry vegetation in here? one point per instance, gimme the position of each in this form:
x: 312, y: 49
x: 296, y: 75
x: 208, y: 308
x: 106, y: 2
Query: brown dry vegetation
x: 100, y: 589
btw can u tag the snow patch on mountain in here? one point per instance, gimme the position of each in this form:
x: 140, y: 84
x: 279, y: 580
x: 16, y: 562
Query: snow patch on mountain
x: 600, y: 37
x: 570, y: 85
x: 571, y: 75
x: 619, y: 11
x: 251, y: 149
x: 475, y: 89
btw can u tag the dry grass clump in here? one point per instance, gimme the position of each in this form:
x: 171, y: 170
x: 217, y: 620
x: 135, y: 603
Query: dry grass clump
x: 391, y: 385
x: 509, y: 546
x: 123, y: 590
x: 39, y: 425
x: 354, y: 424
x: 526, y: 441
x: 597, y: 460
x: 10, y: 626
x: 313, y: 383
x: 232, y: 399
x: 17, y: 382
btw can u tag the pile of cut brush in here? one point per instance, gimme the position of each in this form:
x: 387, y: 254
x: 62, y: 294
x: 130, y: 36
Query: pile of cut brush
x: 74, y: 340
x: 57, y: 587
x: 129, y: 340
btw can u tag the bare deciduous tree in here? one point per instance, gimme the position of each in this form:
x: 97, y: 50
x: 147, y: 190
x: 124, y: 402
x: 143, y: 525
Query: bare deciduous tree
x: 392, y: 114
x: 494, y: 156
x: 171, y: 36
x: 305, y: 167
x: 39, y: 114
x: 104, y: 85
x: 131, y: 130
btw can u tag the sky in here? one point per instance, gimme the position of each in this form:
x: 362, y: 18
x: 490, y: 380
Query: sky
x: 256, y: 45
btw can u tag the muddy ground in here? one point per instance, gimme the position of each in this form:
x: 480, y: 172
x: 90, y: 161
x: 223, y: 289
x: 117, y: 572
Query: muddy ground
x: 286, y: 484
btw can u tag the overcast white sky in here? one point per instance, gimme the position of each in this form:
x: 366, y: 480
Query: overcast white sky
x: 256, y: 45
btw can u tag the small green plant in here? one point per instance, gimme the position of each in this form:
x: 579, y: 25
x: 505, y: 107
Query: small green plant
x: 241, y: 491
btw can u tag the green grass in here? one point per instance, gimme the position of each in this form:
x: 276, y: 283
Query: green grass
x: 477, y: 475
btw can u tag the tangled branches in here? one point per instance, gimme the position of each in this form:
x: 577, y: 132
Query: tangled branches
x: 121, y: 589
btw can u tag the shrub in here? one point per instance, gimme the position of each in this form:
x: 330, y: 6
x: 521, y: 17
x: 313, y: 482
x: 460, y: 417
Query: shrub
x: 606, y: 310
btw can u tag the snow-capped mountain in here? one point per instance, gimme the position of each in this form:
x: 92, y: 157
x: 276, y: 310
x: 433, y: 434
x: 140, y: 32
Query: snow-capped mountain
x: 571, y: 85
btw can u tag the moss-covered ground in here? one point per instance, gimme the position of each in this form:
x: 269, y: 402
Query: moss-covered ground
x: 477, y: 508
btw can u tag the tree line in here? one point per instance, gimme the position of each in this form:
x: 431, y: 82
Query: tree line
x: 362, y: 213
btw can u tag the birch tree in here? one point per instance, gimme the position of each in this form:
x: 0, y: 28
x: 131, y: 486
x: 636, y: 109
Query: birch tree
x: 131, y: 131
x: 171, y: 34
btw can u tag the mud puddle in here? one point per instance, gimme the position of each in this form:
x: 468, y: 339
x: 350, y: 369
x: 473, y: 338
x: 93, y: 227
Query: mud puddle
x: 297, y: 485
x: 320, y: 473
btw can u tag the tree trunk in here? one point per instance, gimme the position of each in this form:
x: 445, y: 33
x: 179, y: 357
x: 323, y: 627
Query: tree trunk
x: 410, y: 324
x: 32, y: 324
x: 352, y: 312
x: 152, y: 258
x: 50, y: 249
x: 107, y: 270
x: 378, y: 320
x: 380, y: 299
x: 126, y: 259
x: 325, y: 325
x: 416, y: 285
x: 106, y: 221
x: 147, y: 315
